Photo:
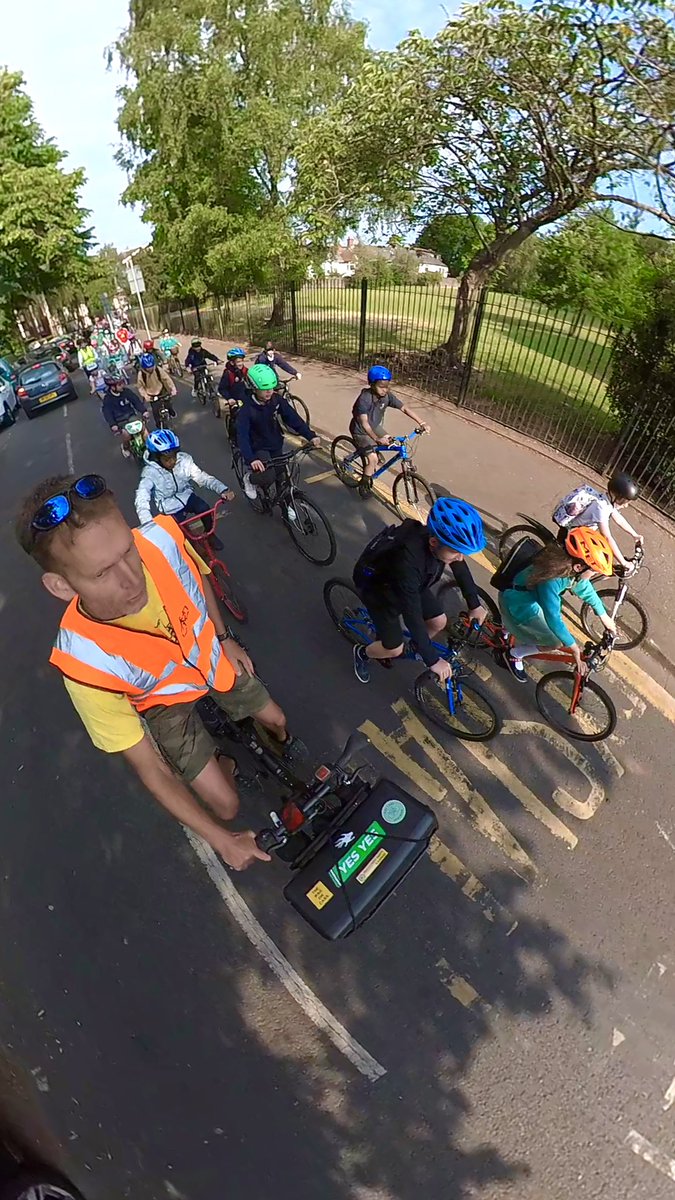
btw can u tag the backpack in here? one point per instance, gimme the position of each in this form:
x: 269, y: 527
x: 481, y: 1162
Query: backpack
x: 518, y: 558
x: 574, y: 504
x: 379, y: 547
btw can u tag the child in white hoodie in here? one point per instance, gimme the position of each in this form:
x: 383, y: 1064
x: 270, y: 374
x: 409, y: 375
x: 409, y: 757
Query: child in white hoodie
x: 168, y: 480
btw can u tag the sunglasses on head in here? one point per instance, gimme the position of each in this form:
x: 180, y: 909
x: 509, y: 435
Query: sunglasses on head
x: 58, y: 508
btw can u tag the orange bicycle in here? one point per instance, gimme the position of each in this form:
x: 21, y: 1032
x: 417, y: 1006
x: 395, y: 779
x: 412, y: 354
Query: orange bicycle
x: 198, y: 531
x: 569, y: 701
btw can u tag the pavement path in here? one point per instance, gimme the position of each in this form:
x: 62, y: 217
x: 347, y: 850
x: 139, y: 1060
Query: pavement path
x: 502, y: 1027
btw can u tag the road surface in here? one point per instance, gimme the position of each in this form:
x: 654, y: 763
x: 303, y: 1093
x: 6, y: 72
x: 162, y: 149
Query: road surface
x: 503, y: 1027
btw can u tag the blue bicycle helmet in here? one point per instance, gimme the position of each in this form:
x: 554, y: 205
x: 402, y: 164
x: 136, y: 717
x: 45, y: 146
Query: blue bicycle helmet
x: 147, y: 361
x: 235, y: 352
x: 379, y: 375
x: 162, y: 441
x: 458, y: 525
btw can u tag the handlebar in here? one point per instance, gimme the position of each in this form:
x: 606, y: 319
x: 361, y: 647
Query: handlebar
x: 215, y: 512
x: 285, y: 458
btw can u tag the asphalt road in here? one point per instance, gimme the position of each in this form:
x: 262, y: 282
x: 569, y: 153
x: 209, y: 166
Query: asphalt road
x: 502, y: 1027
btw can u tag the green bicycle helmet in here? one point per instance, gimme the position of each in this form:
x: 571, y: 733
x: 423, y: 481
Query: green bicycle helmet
x: 262, y: 378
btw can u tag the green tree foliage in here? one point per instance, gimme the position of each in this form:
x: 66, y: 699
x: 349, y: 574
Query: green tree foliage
x: 593, y: 263
x: 42, y: 240
x: 641, y: 390
x: 455, y: 239
x: 519, y: 115
x: 380, y: 266
x: 217, y: 99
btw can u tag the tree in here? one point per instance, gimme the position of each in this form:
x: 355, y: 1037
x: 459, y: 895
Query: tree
x: 217, y: 100
x: 517, y: 273
x: 519, y: 115
x: 42, y: 239
x: 379, y: 266
x: 595, y: 264
x: 455, y: 239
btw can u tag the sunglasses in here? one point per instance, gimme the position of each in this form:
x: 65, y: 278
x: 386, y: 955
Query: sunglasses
x: 58, y: 508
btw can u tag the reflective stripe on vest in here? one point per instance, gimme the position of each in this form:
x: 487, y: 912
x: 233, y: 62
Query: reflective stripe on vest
x: 150, y: 669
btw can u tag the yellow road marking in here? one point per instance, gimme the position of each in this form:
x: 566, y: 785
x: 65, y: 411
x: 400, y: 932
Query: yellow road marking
x: 468, y: 883
x: 390, y: 749
x: 601, y: 748
x: 583, y: 810
x: 460, y: 989
x: 318, y: 478
x: 522, y: 793
x: 485, y: 820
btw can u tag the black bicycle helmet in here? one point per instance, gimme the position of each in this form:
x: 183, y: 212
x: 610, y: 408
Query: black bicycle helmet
x: 622, y: 487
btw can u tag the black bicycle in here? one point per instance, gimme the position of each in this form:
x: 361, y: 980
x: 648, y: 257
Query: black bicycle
x: 245, y: 734
x: 296, y: 402
x: 307, y: 526
x: 163, y: 411
x: 204, y: 386
x: 350, y: 839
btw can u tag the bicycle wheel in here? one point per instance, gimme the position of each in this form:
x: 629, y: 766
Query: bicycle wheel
x: 632, y: 622
x: 348, y: 612
x: 510, y: 536
x: 413, y: 496
x: 594, y: 716
x: 457, y: 709
x: 298, y: 405
x: 258, y: 505
x: 348, y: 461
x: 309, y: 529
x: 224, y: 590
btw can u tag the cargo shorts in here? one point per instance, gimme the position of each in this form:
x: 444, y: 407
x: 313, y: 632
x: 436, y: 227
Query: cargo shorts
x: 180, y: 733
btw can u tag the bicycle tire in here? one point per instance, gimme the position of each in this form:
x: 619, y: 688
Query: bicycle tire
x: 298, y: 405
x: 306, y: 511
x: 343, y: 448
x: 431, y: 699
x: 564, y: 681
x: 227, y: 593
x: 258, y: 504
x: 625, y: 640
x: 510, y: 536
x: 336, y: 610
x: 412, y: 495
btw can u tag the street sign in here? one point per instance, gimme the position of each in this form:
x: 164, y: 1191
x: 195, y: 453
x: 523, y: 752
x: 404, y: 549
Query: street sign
x: 135, y: 278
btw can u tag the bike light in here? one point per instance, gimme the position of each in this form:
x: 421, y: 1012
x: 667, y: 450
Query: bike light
x: 292, y: 816
x: 322, y: 774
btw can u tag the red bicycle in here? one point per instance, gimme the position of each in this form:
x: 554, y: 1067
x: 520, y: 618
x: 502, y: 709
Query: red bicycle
x: 196, y: 529
x: 570, y: 701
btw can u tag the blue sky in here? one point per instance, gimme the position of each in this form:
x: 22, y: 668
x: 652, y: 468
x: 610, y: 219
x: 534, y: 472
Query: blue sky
x: 59, y: 47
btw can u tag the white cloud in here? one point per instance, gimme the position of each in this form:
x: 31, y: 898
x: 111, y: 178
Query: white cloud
x: 59, y: 47
x: 389, y: 25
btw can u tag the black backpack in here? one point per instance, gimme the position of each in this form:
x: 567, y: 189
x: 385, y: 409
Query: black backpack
x: 518, y: 558
x: 379, y: 547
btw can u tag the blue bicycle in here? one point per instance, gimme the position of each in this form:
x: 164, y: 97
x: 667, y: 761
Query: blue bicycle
x: 454, y: 705
x: 412, y: 495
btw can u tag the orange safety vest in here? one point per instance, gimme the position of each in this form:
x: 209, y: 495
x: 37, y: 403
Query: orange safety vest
x: 147, y: 668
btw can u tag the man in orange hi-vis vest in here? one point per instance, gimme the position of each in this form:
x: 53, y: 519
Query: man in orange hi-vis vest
x: 141, y: 641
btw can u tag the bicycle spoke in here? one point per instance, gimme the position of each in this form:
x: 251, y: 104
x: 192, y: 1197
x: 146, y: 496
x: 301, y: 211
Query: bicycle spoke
x: 460, y: 710
x: 587, y: 715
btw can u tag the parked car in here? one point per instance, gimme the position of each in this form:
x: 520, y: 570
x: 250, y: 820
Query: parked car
x: 41, y: 384
x: 65, y: 351
x: 8, y: 371
x: 9, y: 404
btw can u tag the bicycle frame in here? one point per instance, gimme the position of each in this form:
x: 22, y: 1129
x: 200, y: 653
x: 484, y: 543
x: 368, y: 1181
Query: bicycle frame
x: 402, y: 453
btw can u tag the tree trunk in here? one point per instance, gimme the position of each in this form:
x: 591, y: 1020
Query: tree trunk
x: 278, y: 314
x: 479, y: 271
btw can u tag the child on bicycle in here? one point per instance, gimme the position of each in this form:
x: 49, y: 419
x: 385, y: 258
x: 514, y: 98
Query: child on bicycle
x: 197, y: 361
x: 367, y: 424
x: 532, y: 607
x: 594, y: 509
x: 232, y: 389
x: 259, y: 433
x: 271, y: 358
x: 168, y: 481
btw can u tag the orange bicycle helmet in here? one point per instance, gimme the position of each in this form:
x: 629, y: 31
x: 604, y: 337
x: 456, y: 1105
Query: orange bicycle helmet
x: 592, y: 548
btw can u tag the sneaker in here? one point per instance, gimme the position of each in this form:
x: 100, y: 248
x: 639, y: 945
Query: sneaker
x: 361, y: 664
x: 250, y: 490
x: 516, y: 668
x: 291, y: 514
x: 365, y: 488
x: 294, y: 749
x: 126, y: 453
x: 216, y: 542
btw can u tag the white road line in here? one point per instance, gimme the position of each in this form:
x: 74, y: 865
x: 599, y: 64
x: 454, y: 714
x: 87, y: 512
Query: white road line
x: 285, y: 973
x: 651, y: 1154
x: 69, y: 445
x: 669, y: 1096
x: 665, y: 836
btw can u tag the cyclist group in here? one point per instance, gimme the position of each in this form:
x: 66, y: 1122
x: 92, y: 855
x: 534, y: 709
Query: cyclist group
x: 142, y: 639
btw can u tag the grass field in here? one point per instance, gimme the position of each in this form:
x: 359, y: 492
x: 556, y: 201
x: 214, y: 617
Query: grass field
x: 533, y: 367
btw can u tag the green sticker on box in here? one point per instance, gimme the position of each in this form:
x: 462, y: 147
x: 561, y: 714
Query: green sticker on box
x: 355, y: 857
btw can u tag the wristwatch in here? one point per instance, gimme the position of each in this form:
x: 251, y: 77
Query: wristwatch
x: 226, y: 636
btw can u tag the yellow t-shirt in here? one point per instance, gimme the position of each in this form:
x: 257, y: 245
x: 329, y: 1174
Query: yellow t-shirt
x: 110, y: 718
